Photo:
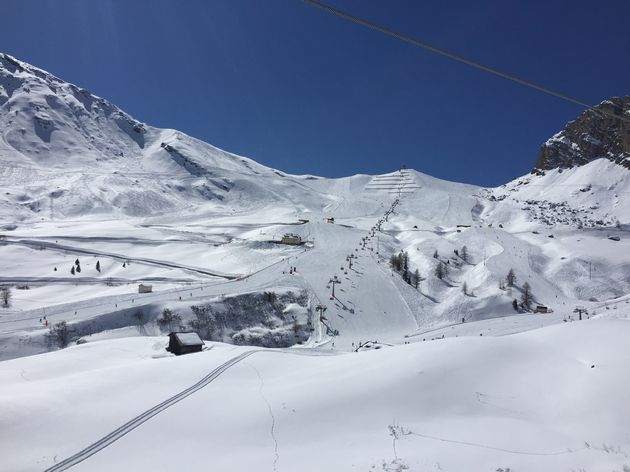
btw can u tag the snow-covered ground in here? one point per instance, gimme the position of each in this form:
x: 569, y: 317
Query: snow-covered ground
x: 552, y: 399
x: 447, y: 372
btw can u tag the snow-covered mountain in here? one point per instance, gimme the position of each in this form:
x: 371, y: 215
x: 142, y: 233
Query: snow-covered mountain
x: 67, y: 153
x: 125, y: 186
x: 94, y: 203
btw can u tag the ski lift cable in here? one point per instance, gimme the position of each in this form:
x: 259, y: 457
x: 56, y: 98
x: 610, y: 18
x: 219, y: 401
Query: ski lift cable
x: 457, y: 57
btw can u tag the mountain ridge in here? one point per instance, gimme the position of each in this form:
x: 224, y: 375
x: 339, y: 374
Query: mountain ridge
x: 590, y: 136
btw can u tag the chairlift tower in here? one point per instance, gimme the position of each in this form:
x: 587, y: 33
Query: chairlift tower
x: 321, y: 309
x: 334, y: 281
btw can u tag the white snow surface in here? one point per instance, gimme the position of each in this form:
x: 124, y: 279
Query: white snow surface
x: 553, y: 399
x: 82, y: 180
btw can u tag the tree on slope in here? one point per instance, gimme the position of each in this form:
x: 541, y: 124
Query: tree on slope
x: 464, y: 254
x: 72, y: 270
x: 59, y: 334
x: 527, y: 296
x: 405, y: 267
x: 98, y: 265
x: 5, y: 297
x: 441, y: 270
x: 510, y: 278
x: 416, y: 278
x: 465, y: 288
x: 396, y: 262
x: 169, y: 320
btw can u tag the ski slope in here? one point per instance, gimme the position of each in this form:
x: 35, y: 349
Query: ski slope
x: 443, y: 376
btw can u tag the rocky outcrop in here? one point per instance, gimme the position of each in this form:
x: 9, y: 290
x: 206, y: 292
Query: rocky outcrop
x: 591, y: 136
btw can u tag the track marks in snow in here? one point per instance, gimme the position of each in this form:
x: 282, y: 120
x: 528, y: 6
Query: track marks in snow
x: 145, y: 416
x: 273, y: 419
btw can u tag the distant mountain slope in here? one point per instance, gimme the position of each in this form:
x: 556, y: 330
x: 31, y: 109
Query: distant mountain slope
x: 68, y: 153
x: 591, y: 136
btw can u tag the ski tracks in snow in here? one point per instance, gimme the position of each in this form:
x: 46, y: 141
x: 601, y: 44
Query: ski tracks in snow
x: 145, y: 416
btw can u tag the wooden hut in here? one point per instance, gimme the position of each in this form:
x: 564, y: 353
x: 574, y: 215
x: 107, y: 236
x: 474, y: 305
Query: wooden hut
x: 184, y: 343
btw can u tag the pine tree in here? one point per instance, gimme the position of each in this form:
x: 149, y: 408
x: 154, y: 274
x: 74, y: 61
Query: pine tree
x: 72, y: 270
x: 76, y: 262
x: 526, y: 298
x: 416, y: 278
x: 464, y: 254
x: 439, y: 270
x: 515, y: 305
x: 98, y: 265
x: 405, y: 267
x: 435, y: 254
x: 78, y: 268
x: 511, y: 278
x: 465, y: 288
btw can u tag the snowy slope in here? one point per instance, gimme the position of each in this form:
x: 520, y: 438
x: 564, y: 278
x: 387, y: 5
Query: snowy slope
x: 82, y: 181
x: 68, y: 153
x: 547, y: 400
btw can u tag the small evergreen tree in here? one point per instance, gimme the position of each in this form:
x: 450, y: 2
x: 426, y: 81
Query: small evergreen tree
x: 78, y: 268
x: 72, y: 270
x: 435, y: 254
x: 392, y: 261
x: 5, y: 297
x: 527, y: 296
x: 76, y: 262
x: 98, y: 265
x: 416, y: 278
x: 440, y: 270
x: 510, y: 278
x: 465, y: 288
x: 464, y: 254
x: 405, y: 267
x: 515, y: 304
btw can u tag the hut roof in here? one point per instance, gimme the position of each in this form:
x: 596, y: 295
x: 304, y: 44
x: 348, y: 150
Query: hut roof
x: 188, y: 339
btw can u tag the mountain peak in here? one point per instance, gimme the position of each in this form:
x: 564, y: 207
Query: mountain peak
x: 591, y: 136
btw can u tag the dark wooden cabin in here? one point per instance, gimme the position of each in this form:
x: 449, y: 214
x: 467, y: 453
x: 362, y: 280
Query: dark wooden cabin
x: 184, y: 343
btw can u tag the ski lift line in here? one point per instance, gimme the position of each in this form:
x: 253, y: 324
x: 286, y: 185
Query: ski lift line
x: 457, y: 57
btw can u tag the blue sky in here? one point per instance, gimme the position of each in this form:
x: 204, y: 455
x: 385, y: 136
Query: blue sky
x: 300, y: 90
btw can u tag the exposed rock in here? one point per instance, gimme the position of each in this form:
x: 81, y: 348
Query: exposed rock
x: 591, y: 136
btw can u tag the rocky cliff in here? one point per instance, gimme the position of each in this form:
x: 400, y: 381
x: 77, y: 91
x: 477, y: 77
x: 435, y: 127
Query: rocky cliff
x: 591, y: 136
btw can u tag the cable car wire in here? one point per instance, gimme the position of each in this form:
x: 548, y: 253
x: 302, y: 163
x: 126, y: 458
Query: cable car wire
x: 458, y: 58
